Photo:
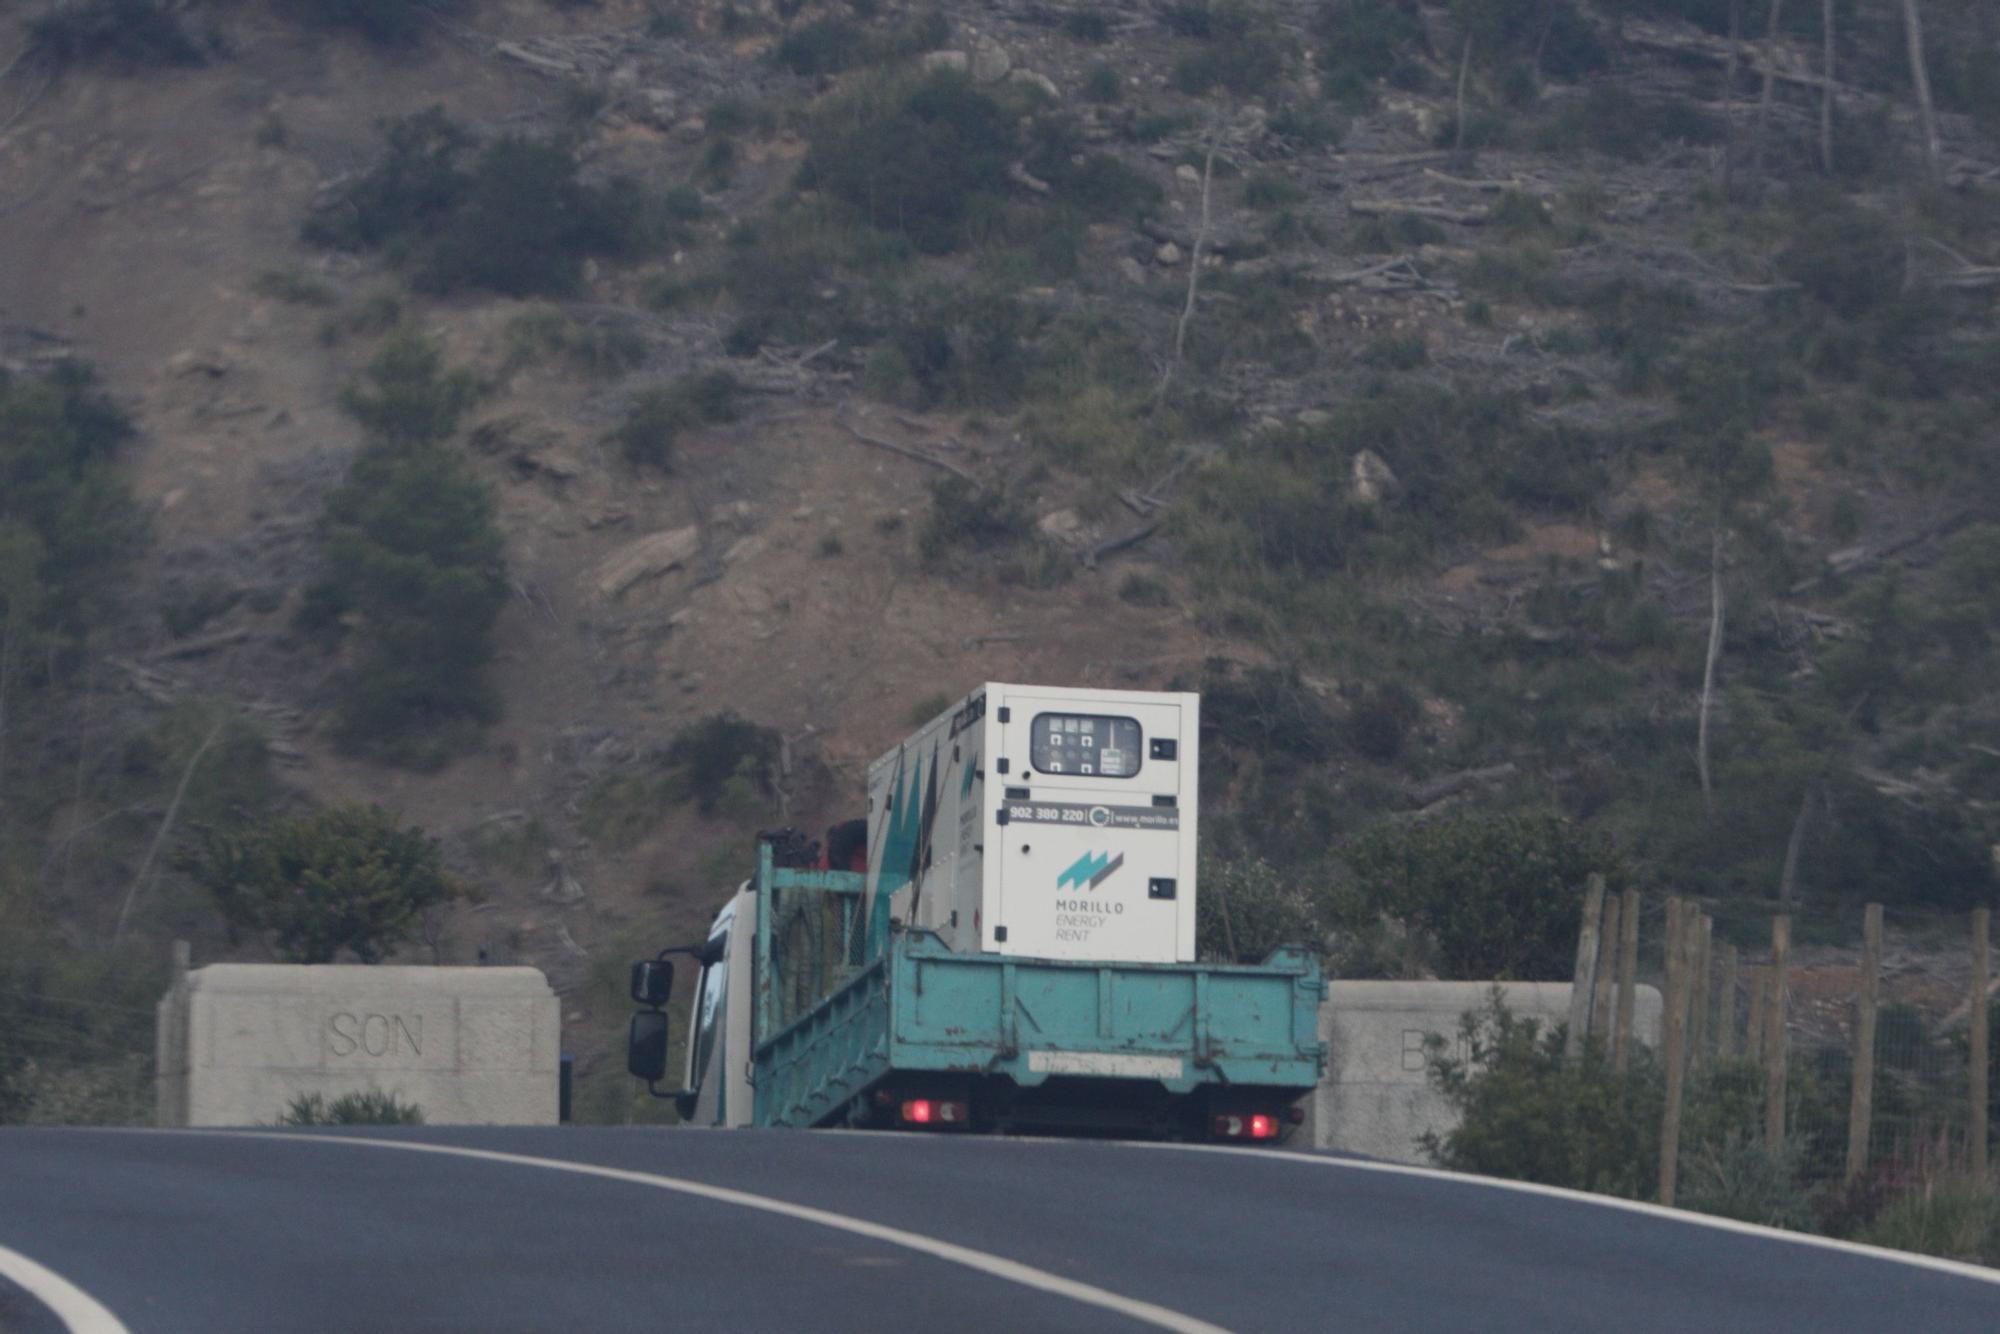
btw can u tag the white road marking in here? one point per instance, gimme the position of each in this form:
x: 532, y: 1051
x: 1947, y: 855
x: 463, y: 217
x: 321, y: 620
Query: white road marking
x: 1010, y: 1270
x: 1956, y: 1267
x: 78, y: 1310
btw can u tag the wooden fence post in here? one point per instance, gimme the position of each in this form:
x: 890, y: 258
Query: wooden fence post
x: 1861, y: 1107
x: 1675, y: 1041
x: 1583, y: 983
x: 1774, y: 1036
x: 1700, y: 995
x: 1753, y: 1040
x: 1981, y: 1109
x: 1628, y: 979
x: 1604, y: 998
x: 1725, y: 1019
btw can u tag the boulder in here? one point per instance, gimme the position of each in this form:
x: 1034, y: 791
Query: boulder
x: 646, y: 558
x: 1374, y: 481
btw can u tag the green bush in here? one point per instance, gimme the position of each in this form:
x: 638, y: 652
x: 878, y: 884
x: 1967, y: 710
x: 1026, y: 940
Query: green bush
x: 1247, y: 908
x: 386, y: 23
x: 519, y: 222
x: 346, y: 878
x: 825, y: 46
x: 525, y: 223
x: 723, y: 760
x: 1087, y: 25
x: 370, y: 1107
x: 1526, y: 1113
x: 1847, y: 257
x: 912, y: 158
x: 1365, y: 40
x: 1953, y: 1216
x: 124, y: 34
x: 1103, y: 85
x: 659, y: 417
x: 1614, y: 121
x: 408, y: 194
x: 968, y: 518
x: 1500, y: 894
x: 415, y: 567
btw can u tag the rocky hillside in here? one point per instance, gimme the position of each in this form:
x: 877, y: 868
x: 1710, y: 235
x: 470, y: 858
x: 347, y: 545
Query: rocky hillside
x: 1491, y: 406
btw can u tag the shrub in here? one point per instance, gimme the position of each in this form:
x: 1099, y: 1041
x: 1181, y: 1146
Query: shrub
x: 1500, y: 894
x: 1240, y: 50
x: 1268, y: 190
x: 347, y: 878
x: 966, y: 517
x: 1618, y: 123
x: 520, y: 222
x: 1365, y: 40
x: 659, y: 417
x: 1379, y: 722
x: 1103, y: 85
x: 722, y: 758
x: 386, y: 23
x: 912, y: 158
x: 1847, y: 257
x: 406, y: 397
x: 414, y: 562
x: 370, y: 1107
x: 124, y: 34
x: 1248, y: 908
x: 1741, y: 1178
x: 1953, y: 1216
x: 825, y: 46
x: 1526, y: 1113
x: 1087, y: 25
x: 408, y: 193
x: 526, y: 222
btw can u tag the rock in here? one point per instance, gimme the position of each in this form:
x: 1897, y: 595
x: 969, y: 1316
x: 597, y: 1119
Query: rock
x: 190, y: 362
x: 952, y: 60
x: 1187, y: 175
x: 693, y: 130
x: 1374, y: 480
x: 1060, y: 525
x: 647, y: 558
x: 990, y: 61
x: 1131, y: 269
x: 1168, y: 253
x: 1036, y: 80
x: 1313, y: 417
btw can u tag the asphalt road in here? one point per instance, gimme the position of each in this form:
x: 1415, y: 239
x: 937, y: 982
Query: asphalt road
x: 666, y: 1229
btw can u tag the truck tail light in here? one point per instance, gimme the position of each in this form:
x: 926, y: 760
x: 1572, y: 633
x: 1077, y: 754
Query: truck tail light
x: 1256, y: 1125
x: 935, y: 1112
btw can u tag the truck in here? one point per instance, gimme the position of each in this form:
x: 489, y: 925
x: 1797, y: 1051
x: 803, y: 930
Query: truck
x: 1005, y: 943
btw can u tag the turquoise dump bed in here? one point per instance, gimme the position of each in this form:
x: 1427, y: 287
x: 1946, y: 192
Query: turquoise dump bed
x: 915, y: 1006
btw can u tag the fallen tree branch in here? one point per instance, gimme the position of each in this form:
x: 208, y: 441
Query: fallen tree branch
x: 1389, y: 208
x: 1113, y: 546
x: 876, y: 442
x: 1425, y: 795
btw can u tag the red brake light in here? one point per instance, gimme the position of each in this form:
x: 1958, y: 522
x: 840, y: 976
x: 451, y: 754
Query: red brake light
x: 1255, y: 1126
x: 1262, y: 1127
x: 917, y: 1111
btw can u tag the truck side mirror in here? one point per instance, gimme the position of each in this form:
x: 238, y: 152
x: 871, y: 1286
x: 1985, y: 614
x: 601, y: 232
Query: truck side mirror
x: 652, y: 982
x: 646, y: 1046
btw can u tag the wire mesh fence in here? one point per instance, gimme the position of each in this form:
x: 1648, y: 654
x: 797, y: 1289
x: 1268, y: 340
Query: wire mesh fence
x: 1847, y: 1047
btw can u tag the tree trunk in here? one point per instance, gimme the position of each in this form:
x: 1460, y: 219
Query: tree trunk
x: 1826, y: 92
x: 1770, y: 85
x: 1464, y: 68
x: 1194, y: 272
x: 166, y: 828
x: 1708, y: 671
x: 1913, y: 30
x: 1788, y: 878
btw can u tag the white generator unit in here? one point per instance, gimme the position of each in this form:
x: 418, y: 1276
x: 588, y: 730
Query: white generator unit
x: 1046, y: 822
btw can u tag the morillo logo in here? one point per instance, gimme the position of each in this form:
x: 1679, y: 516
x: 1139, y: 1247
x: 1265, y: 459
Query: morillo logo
x: 1090, y: 870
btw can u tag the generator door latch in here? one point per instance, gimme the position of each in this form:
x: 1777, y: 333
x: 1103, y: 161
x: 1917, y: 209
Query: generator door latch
x: 1160, y: 887
x: 1164, y: 748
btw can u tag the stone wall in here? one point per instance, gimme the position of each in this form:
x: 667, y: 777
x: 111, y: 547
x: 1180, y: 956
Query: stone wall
x: 1376, y: 1098
x: 235, y: 1043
